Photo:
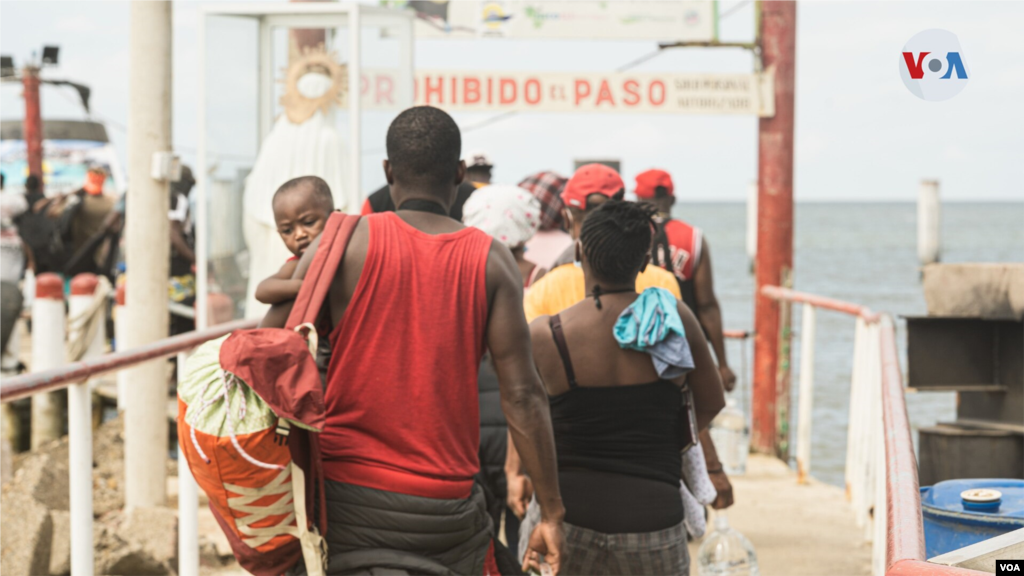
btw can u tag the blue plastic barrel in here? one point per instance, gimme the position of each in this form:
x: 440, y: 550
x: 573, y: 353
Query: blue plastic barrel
x: 959, y: 513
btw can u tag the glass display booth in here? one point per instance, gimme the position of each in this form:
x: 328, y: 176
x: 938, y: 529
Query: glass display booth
x: 274, y: 104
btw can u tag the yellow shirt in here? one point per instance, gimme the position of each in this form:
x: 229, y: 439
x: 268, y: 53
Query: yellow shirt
x: 564, y: 286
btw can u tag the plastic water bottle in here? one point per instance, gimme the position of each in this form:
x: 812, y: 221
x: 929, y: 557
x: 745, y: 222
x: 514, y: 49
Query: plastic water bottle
x: 731, y: 436
x: 726, y: 552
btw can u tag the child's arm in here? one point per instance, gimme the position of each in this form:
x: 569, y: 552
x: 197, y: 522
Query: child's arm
x: 280, y: 287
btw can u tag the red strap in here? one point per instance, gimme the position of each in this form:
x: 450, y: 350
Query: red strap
x: 333, y: 241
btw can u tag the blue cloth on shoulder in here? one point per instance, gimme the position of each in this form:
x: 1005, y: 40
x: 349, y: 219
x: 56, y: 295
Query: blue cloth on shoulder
x: 651, y: 324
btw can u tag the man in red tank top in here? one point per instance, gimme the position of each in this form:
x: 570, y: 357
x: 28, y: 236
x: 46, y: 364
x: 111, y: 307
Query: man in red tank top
x: 416, y: 300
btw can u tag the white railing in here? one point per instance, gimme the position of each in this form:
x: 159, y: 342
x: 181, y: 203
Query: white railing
x: 881, y: 468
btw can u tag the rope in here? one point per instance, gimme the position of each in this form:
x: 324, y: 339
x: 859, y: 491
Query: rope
x: 82, y: 329
x: 229, y: 382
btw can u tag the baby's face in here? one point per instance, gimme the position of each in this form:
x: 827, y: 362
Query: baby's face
x: 300, y: 218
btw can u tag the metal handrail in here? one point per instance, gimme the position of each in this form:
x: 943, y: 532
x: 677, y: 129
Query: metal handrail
x: 25, y: 385
x: 904, y: 547
x: 789, y: 295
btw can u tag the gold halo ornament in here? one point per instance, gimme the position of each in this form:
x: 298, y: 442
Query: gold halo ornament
x: 298, y: 107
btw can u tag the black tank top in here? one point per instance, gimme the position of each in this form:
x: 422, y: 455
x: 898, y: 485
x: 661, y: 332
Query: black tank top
x: 622, y: 442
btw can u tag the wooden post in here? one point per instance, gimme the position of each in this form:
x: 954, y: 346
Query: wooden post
x: 774, y: 222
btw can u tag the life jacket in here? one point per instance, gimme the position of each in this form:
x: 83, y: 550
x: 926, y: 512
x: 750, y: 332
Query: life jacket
x: 250, y: 407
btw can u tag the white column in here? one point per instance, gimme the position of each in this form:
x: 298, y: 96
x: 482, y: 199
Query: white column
x: 929, y: 221
x: 147, y: 246
x: 803, y: 439
x: 47, y: 352
x: 188, y: 508
x: 83, y: 293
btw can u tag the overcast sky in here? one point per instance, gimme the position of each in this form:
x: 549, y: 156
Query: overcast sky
x: 860, y: 134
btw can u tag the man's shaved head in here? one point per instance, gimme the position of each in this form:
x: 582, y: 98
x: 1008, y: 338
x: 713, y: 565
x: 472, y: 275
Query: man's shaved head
x: 424, y: 147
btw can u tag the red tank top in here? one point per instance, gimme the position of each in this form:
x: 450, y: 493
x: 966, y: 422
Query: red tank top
x: 402, y: 407
x: 685, y: 242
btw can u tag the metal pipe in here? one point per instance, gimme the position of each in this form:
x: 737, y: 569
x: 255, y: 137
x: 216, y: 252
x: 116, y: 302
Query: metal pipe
x: 47, y: 353
x: 774, y: 224
x: 905, y: 536
x: 33, y: 126
x: 147, y: 244
x: 354, y: 106
x: 26, y: 385
x: 188, y: 507
x: 777, y: 293
x: 806, y: 408
x: 83, y: 292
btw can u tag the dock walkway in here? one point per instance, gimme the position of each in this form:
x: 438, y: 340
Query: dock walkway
x: 797, y: 530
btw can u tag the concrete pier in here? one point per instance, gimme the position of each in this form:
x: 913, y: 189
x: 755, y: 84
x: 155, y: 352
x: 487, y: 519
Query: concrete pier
x: 796, y: 529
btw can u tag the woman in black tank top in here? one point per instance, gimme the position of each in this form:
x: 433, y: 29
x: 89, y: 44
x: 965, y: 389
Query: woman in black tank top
x: 617, y: 425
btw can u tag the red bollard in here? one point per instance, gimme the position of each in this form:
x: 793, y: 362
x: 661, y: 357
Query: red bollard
x: 47, y: 352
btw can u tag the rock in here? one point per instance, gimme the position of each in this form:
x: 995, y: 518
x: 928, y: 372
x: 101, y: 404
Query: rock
x: 116, y: 555
x: 134, y: 562
x: 60, y: 548
x: 154, y: 531
x: 26, y: 536
x: 43, y: 475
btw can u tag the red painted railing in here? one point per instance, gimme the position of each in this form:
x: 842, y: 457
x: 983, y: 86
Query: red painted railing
x: 26, y: 385
x: 904, y: 546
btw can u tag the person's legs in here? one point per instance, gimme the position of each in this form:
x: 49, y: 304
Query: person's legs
x: 10, y: 310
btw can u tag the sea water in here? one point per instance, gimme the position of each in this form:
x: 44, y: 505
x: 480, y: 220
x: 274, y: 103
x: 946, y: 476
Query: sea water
x: 860, y: 252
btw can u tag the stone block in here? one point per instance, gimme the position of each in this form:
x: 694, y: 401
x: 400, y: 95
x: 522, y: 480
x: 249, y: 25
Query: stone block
x: 26, y: 536
x: 60, y: 548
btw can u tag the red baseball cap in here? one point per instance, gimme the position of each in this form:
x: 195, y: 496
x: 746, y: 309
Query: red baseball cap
x: 591, y: 179
x: 647, y: 183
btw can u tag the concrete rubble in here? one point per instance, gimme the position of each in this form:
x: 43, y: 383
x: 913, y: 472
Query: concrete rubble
x: 36, y: 535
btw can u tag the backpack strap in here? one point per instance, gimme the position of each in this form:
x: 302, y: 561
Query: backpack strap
x: 333, y: 242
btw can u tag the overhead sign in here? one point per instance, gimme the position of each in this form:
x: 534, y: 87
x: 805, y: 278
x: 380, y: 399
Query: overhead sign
x: 690, y: 21
x: 626, y: 92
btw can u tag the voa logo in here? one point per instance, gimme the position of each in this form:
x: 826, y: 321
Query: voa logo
x: 932, y: 65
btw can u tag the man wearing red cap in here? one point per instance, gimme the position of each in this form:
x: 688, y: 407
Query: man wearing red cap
x: 563, y: 286
x: 681, y: 249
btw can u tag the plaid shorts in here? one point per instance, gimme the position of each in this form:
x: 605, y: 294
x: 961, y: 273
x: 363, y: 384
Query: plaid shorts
x: 591, y: 552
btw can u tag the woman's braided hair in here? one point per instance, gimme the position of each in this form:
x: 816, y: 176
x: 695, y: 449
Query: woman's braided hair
x: 616, y: 237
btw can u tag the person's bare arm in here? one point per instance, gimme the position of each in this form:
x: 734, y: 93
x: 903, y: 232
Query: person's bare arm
x: 710, y: 315
x: 704, y: 381
x: 280, y: 287
x: 523, y: 398
x: 520, y: 488
x: 716, y: 473
x: 179, y: 243
x: 278, y: 314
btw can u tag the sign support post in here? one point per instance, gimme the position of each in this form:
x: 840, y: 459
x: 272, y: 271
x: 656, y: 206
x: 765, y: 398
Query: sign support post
x: 774, y: 264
